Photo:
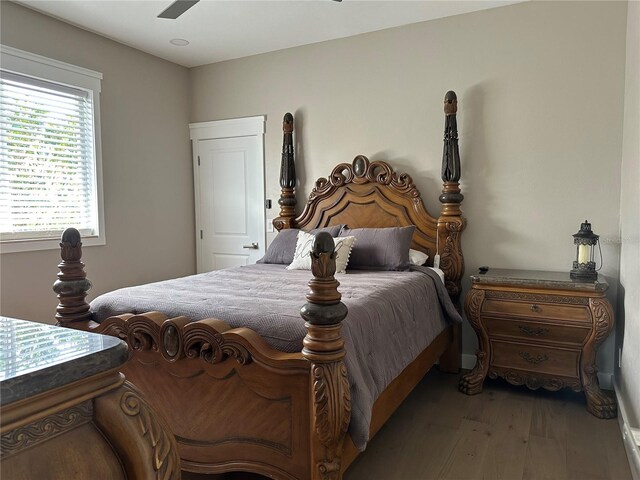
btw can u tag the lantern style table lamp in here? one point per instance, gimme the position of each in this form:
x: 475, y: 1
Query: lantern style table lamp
x: 584, y: 266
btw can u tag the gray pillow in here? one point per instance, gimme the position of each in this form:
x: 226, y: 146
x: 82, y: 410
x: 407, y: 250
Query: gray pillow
x: 380, y: 248
x: 283, y: 245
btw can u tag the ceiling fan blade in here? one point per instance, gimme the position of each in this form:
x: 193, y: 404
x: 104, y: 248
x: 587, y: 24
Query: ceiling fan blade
x: 177, y: 8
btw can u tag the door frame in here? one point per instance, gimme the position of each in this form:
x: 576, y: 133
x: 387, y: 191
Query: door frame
x: 218, y: 129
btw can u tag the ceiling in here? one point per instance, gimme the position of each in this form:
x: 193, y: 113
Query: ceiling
x: 220, y: 30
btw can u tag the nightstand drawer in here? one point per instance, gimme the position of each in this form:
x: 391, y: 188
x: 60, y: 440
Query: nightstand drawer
x: 537, y: 331
x: 551, y: 361
x: 537, y: 310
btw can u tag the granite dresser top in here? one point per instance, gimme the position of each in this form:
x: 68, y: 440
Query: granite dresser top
x: 36, y: 357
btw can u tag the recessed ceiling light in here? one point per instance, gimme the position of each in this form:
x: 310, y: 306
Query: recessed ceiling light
x: 179, y: 42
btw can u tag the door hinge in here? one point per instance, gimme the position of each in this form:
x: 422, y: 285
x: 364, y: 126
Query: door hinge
x: 201, y: 235
x: 198, y: 160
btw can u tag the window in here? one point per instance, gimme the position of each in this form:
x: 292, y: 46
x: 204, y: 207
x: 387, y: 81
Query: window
x: 50, y: 170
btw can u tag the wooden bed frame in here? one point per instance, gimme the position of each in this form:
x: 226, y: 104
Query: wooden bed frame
x: 236, y: 404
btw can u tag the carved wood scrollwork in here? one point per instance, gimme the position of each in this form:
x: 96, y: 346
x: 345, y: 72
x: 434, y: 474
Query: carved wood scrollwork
x: 143, y: 333
x: 332, y: 418
x: 536, y: 381
x: 212, y: 346
x: 533, y: 331
x: 534, y: 359
x: 175, y: 338
x: 361, y: 170
x: 330, y: 381
x: 537, y: 297
x: 451, y: 259
x: 166, y: 462
x: 142, y: 440
x: 44, y: 429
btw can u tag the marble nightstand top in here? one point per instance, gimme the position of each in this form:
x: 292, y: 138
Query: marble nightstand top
x: 537, y: 278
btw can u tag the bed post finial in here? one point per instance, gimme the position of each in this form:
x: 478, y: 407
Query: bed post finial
x: 450, y: 155
x: 287, y: 199
x: 72, y: 284
x: 324, y: 348
x: 451, y: 223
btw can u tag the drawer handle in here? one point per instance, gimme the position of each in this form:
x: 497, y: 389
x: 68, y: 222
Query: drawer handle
x: 533, y: 332
x: 537, y: 360
x: 535, y: 308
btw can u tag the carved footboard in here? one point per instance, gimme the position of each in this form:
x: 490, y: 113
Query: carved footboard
x: 233, y: 402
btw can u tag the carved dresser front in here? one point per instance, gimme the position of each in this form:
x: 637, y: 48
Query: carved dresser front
x: 67, y: 412
x: 539, y: 329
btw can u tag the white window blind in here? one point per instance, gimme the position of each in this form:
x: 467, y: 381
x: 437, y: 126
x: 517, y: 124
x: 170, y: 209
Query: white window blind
x: 47, y: 168
x: 48, y: 160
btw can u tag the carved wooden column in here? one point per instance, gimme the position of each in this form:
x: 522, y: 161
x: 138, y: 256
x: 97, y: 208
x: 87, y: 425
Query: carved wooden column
x: 287, y: 199
x: 324, y: 348
x: 139, y: 436
x: 471, y: 383
x: 72, y: 284
x: 451, y: 223
x: 599, y: 403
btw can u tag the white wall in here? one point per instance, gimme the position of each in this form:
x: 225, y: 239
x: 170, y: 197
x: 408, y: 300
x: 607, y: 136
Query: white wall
x: 540, y: 88
x: 629, y: 374
x: 148, y: 180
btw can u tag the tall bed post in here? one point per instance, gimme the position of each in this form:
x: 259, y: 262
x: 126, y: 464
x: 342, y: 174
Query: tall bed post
x: 287, y: 199
x: 324, y: 348
x: 451, y: 223
x: 72, y: 284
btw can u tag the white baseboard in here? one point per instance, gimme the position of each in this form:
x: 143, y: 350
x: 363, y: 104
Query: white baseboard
x: 630, y: 437
x: 604, y: 378
x: 468, y: 361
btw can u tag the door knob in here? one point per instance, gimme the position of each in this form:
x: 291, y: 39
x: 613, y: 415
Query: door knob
x: 254, y: 246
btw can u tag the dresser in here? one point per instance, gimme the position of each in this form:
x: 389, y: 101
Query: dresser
x: 539, y: 329
x: 68, y: 413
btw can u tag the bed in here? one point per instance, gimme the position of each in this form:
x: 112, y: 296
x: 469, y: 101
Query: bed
x: 289, y: 405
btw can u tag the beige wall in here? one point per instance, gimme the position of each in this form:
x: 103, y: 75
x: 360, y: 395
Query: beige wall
x: 629, y: 378
x: 148, y: 181
x: 540, y: 88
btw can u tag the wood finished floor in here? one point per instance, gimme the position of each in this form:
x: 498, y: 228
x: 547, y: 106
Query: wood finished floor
x: 506, y: 433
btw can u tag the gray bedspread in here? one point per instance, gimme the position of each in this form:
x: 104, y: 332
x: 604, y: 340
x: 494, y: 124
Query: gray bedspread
x: 392, y: 317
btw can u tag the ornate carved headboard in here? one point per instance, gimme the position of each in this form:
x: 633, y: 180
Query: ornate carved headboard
x: 371, y: 194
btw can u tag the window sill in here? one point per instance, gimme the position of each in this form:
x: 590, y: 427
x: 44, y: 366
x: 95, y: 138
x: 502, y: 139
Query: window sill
x: 17, y: 246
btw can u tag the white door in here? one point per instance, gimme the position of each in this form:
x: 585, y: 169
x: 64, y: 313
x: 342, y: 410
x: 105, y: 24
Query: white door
x: 230, y: 215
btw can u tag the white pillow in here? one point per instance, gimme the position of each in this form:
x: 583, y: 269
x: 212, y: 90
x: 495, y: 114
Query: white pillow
x: 304, y: 246
x: 416, y: 257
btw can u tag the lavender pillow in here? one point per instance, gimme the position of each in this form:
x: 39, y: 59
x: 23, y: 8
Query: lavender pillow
x: 283, y: 246
x: 380, y: 248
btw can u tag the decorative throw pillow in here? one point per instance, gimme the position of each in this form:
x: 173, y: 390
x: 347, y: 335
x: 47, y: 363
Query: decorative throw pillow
x: 416, y: 257
x: 380, y: 248
x: 283, y: 245
x: 302, y: 256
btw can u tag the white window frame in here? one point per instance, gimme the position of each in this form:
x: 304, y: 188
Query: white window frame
x: 36, y: 66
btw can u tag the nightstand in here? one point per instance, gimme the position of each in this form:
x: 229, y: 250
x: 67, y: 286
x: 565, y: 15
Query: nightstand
x: 539, y: 329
